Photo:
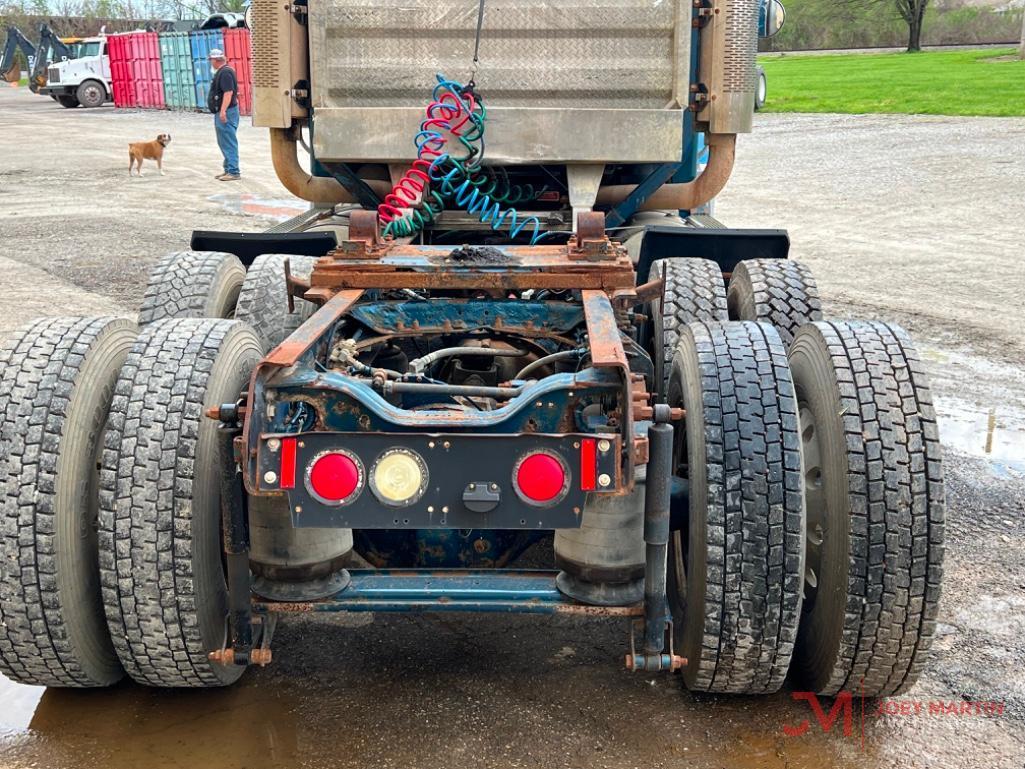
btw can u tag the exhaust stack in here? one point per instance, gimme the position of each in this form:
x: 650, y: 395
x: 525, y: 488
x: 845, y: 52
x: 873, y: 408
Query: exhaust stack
x: 729, y: 43
x: 280, y: 66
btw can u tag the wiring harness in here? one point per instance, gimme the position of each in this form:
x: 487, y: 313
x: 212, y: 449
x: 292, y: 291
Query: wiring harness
x: 450, y: 151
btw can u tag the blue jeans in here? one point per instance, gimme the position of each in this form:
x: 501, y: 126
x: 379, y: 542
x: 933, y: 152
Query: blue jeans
x: 227, y: 140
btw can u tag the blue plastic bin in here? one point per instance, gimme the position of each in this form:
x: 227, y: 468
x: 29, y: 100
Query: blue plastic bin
x: 202, y: 42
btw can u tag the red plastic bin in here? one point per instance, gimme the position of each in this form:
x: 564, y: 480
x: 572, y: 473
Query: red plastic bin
x: 120, y: 71
x: 147, y: 73
x: 135, y: 71
x: 238, y: 49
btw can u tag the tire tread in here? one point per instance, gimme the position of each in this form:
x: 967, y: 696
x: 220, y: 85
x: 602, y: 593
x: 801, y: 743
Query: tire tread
x: 755, y: 512
x: 146, y: 491
x: 263, y: 300
x: 783, y: 291
x: 897, y: 508
x: 181, y: 283
x: 694, y: 291
x: 39, y: 367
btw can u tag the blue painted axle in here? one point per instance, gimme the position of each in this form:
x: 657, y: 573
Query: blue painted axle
x: 419, y: 590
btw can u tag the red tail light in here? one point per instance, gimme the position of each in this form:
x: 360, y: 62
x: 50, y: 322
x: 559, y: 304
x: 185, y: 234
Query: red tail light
x: 335, y: 477
x: 541, y: 478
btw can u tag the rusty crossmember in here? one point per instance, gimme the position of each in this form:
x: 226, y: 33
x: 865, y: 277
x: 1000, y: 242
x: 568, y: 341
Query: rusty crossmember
x: 588, y: 261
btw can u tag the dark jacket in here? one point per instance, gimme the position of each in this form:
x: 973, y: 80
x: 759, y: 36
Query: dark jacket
x: 224, y: 80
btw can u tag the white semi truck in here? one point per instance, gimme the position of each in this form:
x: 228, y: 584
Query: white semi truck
x: 84, y: 80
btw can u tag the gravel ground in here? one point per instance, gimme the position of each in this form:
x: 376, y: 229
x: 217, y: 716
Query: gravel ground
x: 920, y: 220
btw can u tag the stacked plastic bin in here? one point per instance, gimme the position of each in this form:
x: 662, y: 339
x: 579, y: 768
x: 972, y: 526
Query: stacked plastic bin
x: 203, y: 41
x: 239, y: 52
x: 176, y: 62
x: 135, y: 71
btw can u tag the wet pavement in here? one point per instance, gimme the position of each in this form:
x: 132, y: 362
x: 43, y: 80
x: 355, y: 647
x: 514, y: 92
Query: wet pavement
x: 419, y: 691
x: 992, y: 433
x: 440, y: 691
x: 980, y: 405
x: 250, y: 204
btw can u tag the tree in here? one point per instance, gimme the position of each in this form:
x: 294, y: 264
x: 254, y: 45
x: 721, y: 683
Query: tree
x: 913, y: 11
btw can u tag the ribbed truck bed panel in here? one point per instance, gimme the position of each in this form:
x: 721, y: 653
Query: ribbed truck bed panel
x: 608, y: 76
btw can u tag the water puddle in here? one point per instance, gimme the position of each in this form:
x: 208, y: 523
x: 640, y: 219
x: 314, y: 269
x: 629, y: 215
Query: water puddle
x: 129, y: 726
x: 993, y: 434
x: 20, y: 703
x: 248, y: 204
x: 980, y: 405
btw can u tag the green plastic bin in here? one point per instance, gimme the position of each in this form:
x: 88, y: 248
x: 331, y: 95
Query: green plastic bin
x: 179, y: 81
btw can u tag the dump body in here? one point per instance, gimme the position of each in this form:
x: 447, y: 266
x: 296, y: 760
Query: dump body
x: 596, y: 81
x: 611, y: 88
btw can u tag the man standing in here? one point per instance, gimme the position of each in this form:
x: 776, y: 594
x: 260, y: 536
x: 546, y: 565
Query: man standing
x: 223, y: 103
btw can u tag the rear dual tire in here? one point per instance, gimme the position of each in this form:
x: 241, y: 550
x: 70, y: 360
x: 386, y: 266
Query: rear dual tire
x: 777, y: 291
x: 263, y: 298
x: 57, y: 380
x: 735, y: 573
x: 875, y: 508
x: 163, y: 584
x: 693, y: 290
x: 816, y: 518
x: 193, y: 284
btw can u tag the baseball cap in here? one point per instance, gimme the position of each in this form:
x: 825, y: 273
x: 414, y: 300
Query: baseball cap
x: 216, y: 53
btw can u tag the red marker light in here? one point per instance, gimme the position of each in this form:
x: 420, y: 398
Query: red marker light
x: 589, y: 464
x: 288, y: 463
x: 335, y: 478
x: 540, y: 478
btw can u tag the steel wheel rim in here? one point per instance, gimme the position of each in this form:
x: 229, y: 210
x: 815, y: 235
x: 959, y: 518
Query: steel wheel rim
x: 815, y: 503
x: 679, y: 539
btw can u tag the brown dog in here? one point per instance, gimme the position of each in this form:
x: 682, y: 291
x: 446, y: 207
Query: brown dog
x: 154, y: 150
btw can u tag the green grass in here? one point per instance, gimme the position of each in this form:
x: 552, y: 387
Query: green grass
x: 987, y: 81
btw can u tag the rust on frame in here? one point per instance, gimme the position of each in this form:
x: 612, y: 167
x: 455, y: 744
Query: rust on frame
x: 603, y: 332
x: 607, y: 351
x: 289, y: 351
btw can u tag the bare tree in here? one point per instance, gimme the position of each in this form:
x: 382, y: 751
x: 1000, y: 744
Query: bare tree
x: 913, y: 12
